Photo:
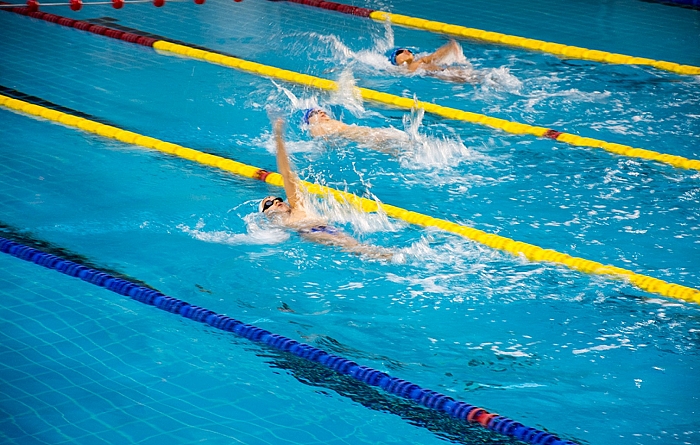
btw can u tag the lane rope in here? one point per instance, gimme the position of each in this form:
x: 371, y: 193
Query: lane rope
x: 517, y: 248
x: 402, y: 388
x: 77, y: 5
x: 571, y: 52
x: 210, y: 56
x: 688, y: 4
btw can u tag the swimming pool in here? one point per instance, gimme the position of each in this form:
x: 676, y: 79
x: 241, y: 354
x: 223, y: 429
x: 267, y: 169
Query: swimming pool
x: 529, y: 340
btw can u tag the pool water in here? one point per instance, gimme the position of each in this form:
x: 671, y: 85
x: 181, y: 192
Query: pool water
x: 589, y: 358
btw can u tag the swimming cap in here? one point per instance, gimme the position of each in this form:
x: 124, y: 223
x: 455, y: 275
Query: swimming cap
x: 307, y: 114
x: 395, y: 53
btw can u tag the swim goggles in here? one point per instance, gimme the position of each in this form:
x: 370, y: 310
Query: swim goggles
x: 396, y: 52
x: 269, y: 203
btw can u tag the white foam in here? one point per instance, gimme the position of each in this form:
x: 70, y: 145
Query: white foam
x: 595, y: 348
x: 347, y: 94
x: 424, y: 151
x: 257, y: 232
x: 500, y: 79
x: 342, y: 55
x: 343, y: 213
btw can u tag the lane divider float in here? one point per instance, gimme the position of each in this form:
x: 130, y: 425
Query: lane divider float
x: 210, y: 56
x: 402, y: 388
x: 77, y: 5
x: 517, y: 248
x: 571, y: 52
x: 689, y: 4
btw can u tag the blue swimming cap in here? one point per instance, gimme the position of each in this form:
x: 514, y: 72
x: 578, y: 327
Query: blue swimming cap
x: 395, y: 53
x: 307, y: 115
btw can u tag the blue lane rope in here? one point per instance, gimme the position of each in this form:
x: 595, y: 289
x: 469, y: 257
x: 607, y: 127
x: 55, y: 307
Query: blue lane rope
x: 396, y: 386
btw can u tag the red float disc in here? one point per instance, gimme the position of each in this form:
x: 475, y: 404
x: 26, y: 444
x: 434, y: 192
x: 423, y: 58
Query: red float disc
x: 117, y: 4
x: 75, y: 5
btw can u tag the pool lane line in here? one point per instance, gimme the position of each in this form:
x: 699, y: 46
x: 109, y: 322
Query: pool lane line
x: 571, y: 52
x: 517, y: 248
x: 687, y: 4
x: 402, y: 388
x: 210, y: 56
x: 16, y: 94
x: 26, y: 238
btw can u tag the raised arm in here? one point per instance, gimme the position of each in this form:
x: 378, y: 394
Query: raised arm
x: 291, y: 181
x: 451, y: 47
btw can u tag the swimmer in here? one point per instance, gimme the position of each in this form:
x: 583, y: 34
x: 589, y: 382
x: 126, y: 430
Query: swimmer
x: 322, y: 125
x: 432, y: 65
x: 294, y: 215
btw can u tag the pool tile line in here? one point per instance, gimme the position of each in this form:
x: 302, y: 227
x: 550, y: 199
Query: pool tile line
x: 402, y: 388
x: 219, y: 58
x: 570, y: 52
x: 517, y: 248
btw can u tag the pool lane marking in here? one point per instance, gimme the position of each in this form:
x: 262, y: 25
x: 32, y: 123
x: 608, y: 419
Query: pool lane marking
x: 572, y: 52
x: 517, y: 248
x: 16, y: 94
x: 430, y: 399
x: 206, y: 55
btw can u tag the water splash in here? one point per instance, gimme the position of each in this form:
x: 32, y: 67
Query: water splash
x: 370, y: 59
x: 413, y: 121
x: 383, y: 45
x: 297, y: 103
x: 347, y: 94
x: 257, y: 232
x: 267, y: 141
x: 500, y: 79
x: 439, y: 252
x: 424, y: 151
x: 343, y: 213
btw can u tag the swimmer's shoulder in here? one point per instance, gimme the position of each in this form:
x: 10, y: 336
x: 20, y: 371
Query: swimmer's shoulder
x: 327, y: 128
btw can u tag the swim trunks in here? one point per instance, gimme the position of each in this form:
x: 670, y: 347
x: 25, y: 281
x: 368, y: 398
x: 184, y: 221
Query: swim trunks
x: 321, y: 229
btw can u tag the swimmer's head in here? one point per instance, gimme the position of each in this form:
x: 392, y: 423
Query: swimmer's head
x: 313, y: 115
x: 272, y: 204
x: 400, y: 56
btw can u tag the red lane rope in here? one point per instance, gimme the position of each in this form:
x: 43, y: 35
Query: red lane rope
x: 77, y: 5
x: 82, y: 25
x: 332, y: 6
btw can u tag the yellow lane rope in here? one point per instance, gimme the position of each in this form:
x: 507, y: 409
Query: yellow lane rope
x: 572, y: 52
x: 517, y: 248
x: 406, y: 103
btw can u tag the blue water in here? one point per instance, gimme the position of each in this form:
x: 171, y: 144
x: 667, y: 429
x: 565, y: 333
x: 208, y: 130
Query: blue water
x: 589, y: 358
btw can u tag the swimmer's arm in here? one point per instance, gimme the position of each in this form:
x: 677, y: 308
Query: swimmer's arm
x: 350, y: 244
x: 358, y: 133
x: 291, y: 181
x: 327, y: 128
x: 451, y: 47
x: 428, y: 62
x: 370, y: 251
x: 373, y: 137
x: 423, y: 63
x: 413, y: 66
x: 317, y: 131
